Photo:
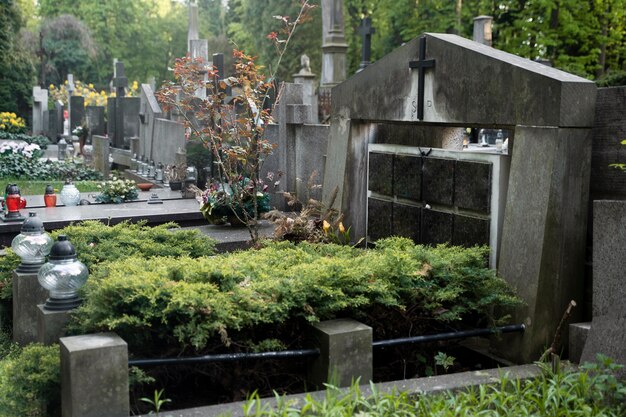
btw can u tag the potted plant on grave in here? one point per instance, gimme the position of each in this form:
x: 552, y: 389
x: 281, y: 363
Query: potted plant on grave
x: 233, y: 125
x: 219, y: 203
x: 117, y: 191
x: 174, y: 175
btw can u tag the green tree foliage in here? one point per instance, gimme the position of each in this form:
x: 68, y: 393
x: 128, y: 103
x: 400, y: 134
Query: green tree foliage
x: 250, y: 21
x: 68, y: 48
x: 145, y: 34
x: 16, y: 69
x: 584, y: 37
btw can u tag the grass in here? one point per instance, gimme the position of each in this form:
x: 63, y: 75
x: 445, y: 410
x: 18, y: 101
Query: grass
x: 590, y: 391
x: 28, y: 187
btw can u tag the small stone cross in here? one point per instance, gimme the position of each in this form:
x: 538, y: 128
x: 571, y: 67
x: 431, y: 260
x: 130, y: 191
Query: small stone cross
x: 366, y: 30
x: 421, y: 64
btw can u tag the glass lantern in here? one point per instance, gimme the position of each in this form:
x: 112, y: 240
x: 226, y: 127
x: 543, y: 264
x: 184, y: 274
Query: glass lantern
x: 63, y: 275
x: 32, y: 245
x: 158, y: 176
x: 13, y: 202
x: 49, y: 197
x: 133, y: 163
x: 70, y: 196
x: 61, y: 149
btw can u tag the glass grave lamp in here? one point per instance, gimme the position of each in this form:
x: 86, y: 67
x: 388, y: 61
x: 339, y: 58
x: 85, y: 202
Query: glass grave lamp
x: 32, y: 245
x: 13, y: 202
x: 151, y: 170
x: 191, y: 179
x: 133, y: 163
x: 49, y: 197
x: 158, y: 176
x: 63, y: 275
x: 62, y: 149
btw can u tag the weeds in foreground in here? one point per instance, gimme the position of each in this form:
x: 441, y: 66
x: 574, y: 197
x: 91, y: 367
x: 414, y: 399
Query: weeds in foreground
x: 593, y: 390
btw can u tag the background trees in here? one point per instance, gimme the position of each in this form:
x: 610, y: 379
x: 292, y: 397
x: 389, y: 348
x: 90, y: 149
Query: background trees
x: 586, y: 37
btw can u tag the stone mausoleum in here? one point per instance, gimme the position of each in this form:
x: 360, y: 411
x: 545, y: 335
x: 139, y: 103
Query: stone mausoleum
x: 389, y: 157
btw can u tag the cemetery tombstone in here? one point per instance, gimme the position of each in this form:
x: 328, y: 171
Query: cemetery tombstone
x: 55, y: 122
x: 77, y: 112
x: 366, y: 30
x: 334, y: 50
x: 450, y: 81
x: 149, y: 111
x: 40, y: 111
x: 94, y: 116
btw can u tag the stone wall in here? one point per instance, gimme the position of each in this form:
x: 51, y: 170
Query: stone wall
x: 609, y: 130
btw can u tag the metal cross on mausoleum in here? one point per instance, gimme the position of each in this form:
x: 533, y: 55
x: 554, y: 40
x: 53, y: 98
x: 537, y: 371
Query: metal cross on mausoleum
x: 366, y: 30
x: 421, y: 64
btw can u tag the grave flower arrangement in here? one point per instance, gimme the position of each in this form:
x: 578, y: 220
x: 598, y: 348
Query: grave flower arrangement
x: 12, y: 123
x: 117, y: 191
x: 232, y: 202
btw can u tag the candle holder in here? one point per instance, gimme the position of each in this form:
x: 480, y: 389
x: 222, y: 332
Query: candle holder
x: 32, y: 245
x: 13, y: 202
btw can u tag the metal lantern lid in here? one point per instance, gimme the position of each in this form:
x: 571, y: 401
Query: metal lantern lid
x: 32, y: 224
x: 12, y: 189
x: 62, y: 250
x: 49, y: 189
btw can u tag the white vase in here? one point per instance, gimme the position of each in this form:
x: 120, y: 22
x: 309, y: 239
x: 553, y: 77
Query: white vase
x: 70, y: 196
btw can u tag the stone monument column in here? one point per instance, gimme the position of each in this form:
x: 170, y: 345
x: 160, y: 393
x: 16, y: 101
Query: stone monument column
x: 192, y: 30
x: 482, y: 30
x: 40, y: 111
x: 307, y: 79
x: 334, y: 49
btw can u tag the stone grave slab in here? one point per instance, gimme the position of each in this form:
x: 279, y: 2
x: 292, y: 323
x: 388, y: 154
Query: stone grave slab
x: 407, y: 177
x: 436, y: 227
x: 470, y: 231
x: 472, y: 186
x: 77, y: 112
x: 379, y: 218
x: 381, y: 173
x: 407, y: 221
x: 438, y: 181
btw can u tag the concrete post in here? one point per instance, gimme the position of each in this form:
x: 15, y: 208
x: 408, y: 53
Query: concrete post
x: 50, y: 325
x: 101, y: 150
x: 345, y: 353
x: 27, y: 293
x: 94, y: 376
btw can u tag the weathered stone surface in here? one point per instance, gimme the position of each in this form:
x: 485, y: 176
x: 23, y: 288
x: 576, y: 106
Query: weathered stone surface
x: 544, y: 96
x: 27, y: 293
x: 438, y: 181
x: 472, y: 186
x: 578, y: 333
x: 608, y: 337
x: 77, y: 112
x: 50, y: 325
x: 407, y: 221
x: 100, y: 154
x: 94, y: 376
x: 379, y: 219
x: 310, y: 147
x: 609, y: 129
x: 345, y: 353
x: 543, y: 239
x: 94, y: 116
x: 381, y: 173
x: 407, y: 177
x: 168, y: 137
x: 436, y: 227
x: 609, y: 256
x: 470, y: 231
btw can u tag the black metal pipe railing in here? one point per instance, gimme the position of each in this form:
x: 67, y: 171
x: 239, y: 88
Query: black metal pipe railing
x: 226, y: 357
x: 311, y: 353
x: 512, y: 328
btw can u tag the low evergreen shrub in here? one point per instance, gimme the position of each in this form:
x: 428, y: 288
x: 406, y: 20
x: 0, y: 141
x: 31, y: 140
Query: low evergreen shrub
x: 97, y: 242
x: 238, y: 300
x: 30, y: 381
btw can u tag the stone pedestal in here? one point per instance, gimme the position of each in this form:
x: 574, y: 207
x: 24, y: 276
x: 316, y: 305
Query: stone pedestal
x: 94, y: 376
x: 100, y: 154
x: 577, y: 337
x: 345, y: 353
x: 27, y: 294
x: 50, y: 325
